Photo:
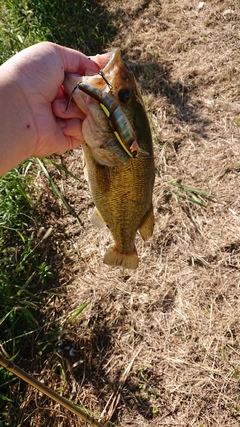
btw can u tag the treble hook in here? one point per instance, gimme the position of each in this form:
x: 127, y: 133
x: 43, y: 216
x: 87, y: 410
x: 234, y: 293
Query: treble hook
x: 105, y: 79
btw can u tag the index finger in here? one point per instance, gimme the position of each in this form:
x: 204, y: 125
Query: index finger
x: 76, y: 62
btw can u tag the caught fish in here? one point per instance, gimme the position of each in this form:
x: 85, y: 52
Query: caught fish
x: 118, y: 154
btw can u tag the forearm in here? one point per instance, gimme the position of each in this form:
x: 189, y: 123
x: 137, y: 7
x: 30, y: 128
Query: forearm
x: 17, y: 127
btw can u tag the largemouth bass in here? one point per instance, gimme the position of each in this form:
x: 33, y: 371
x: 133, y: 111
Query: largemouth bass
x: 121, y: 186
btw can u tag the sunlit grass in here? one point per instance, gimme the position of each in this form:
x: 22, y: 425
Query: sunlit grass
x: 81, y: 25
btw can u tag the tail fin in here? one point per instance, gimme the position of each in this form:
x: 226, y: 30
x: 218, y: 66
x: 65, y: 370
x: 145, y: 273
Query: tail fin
x: 114, y: 257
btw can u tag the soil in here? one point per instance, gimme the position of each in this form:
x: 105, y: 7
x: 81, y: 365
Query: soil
x: 159, y: 346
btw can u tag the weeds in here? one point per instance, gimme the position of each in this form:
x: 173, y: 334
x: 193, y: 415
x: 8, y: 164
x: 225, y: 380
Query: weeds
x: 190, y: 194
x: 21, y: 270
x: 24, y: 274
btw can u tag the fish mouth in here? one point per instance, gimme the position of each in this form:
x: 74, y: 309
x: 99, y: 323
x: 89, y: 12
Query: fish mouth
x: 106, y: 61
x: 114, y: 58
x: 106, y: 129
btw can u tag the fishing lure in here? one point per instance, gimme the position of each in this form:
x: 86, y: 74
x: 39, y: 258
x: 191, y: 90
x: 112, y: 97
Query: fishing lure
x: 121, y: 126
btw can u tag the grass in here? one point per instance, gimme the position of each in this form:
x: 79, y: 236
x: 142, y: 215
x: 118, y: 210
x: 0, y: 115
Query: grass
x: 25, y: 273
x: 81, y: 25
x: 181, y: 307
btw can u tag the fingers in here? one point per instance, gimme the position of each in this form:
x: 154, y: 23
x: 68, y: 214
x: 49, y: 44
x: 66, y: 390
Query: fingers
x: 69, y: 124
x: 101, y: 60
x: 77, y: 62
x: 62, y: 110
x: 65, y: 135
x: 72, y: 130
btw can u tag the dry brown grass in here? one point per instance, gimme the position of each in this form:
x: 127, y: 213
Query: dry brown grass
x: 177, y: 317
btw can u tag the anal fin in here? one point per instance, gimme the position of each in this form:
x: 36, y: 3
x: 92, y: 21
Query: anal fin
x: 97, y: 219
x: 146, y: 229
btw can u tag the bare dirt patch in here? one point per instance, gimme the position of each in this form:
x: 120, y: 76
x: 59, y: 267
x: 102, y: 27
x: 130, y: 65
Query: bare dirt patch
x: 175, y: 321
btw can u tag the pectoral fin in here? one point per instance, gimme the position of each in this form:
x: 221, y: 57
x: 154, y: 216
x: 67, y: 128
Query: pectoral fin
x: 146, y: 229
x: 97, y: 219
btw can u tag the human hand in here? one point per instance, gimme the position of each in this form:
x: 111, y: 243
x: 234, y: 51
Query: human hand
x: 32, y: 82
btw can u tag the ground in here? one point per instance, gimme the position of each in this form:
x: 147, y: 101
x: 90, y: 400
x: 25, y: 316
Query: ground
x: 159, y: 346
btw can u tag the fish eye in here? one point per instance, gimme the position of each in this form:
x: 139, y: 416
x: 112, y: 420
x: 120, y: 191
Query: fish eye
x: 124, y: 95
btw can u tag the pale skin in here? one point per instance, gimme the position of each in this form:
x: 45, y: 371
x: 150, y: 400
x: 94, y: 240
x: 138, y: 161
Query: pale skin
x: 34, y: 121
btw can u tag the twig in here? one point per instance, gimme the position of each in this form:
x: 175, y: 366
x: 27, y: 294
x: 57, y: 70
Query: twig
x: 10, y: 366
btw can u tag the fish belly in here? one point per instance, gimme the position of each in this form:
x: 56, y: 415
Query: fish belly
x: 123, y: 199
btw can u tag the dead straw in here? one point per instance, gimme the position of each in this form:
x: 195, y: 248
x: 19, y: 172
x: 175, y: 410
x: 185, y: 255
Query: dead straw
x: 115, y: 396
x: 10, y: 366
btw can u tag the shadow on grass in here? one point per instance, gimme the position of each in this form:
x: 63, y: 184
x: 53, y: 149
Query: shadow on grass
x: 154, y: 78
x: 84, y: 25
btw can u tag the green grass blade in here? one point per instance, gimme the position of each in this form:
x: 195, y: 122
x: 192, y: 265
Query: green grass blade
x: 189, y: 199
x: 5, y: 398
x: 186, y: 188
x: 6, y: 316
x: 79, y: 310
x: 58, y: 193
x: 191, y: 194
x: 22, y: 191
x: 14, y: 230
x: 63, y: 169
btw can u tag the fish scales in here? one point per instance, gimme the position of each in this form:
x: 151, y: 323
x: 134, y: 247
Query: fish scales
x: 122, y: 194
